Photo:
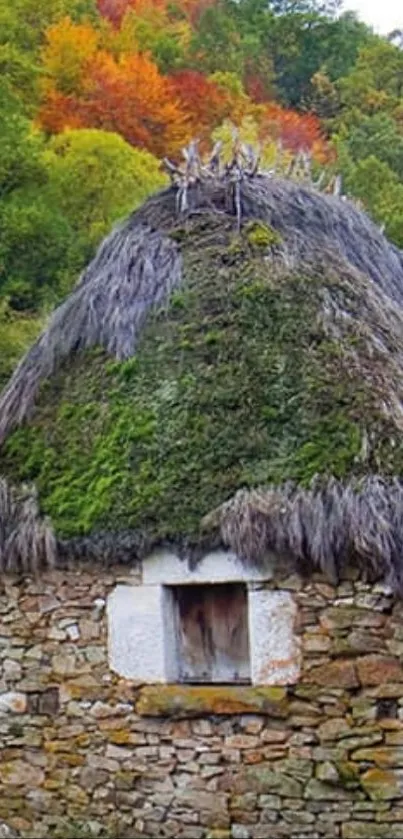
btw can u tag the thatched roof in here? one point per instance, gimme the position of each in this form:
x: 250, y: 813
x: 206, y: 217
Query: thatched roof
x: 194, y: 363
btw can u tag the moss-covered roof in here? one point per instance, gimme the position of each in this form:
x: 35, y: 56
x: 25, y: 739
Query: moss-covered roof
x: 263, y: 364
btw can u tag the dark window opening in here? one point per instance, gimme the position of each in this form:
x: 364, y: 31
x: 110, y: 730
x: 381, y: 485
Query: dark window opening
x: 211, y: 633
x: 387, y: 709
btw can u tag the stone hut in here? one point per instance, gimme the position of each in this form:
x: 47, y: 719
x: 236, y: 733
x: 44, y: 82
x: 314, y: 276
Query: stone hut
x: 201, y: 623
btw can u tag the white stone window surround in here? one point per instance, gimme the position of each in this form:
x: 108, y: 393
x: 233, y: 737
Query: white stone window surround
x: 141, y: 633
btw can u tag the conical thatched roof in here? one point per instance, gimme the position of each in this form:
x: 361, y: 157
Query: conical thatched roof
x: 196, y: 365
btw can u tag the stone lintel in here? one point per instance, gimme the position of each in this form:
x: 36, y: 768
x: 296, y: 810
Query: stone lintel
x: 186, y: 701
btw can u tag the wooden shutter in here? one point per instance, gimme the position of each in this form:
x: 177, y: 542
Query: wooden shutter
x: 212, y: 637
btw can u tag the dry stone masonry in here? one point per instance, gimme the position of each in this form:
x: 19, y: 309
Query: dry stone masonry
x: 85, y: 750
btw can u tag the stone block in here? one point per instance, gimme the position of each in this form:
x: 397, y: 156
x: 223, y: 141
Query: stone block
x: 239, y: 831
x: 191, y: 701
x: 333, y: 729
x: 327, y: 773
x: 20, y: 773
x: 339, y: 673
x: 382, y: 784
x: 245, y: 802
x: 319, y: 791
x: 345, y: 617
x: 241, y: 741
x: 371, y: 830
x: 376, y: 670
x: 13, y: 702
x: 48, y: 702
x: 264, y: 779
x: 383, y: 756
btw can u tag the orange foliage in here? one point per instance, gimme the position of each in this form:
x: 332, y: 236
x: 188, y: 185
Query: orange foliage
x: 106, y: 81
x: 128, y: 96
x: 205, y: 105
x: 59, y: 112
x: 296, y: 131
x: 67, y: 49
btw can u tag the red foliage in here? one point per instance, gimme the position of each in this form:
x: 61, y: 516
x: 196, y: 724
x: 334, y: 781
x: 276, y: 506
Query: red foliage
x: 296, y: 131
x: 85, y: 86
x: 255, y: 88
x: 59, y: 112
x: 205, y: 105
x: 115, y: 10
x: 128, y: 96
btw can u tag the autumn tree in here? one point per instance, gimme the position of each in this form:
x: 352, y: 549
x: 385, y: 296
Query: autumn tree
x: 324, y: 99
x: 113, y: 10
x: 202, y: 100
x: 128, y: 96
x: 68, y: 49
x: 23, y: 23
x: 150, y: 27
x: 295, y: 131
x: 238, y: 104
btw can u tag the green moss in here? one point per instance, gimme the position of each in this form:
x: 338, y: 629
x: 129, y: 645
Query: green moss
x: 261, y: 235
x: 349, y: 774
x: 237, y: 385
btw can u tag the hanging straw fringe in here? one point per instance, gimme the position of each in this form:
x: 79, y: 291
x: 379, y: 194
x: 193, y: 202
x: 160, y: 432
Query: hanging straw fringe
x: 324, y: 528
x: 27, y: 542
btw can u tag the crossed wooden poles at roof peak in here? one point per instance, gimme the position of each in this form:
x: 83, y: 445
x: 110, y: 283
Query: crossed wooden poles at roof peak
x: 244, y: 164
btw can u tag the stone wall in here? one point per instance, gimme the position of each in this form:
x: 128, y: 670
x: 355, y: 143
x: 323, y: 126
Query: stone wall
x: 85, y: 752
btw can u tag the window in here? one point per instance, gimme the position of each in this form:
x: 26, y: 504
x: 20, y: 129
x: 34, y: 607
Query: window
x: 211, y: 632
x: 219, y: 622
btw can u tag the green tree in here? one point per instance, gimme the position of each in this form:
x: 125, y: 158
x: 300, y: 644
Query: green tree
x: 216, y: 44
x: 17, y: 332
x: 378, y: 189
x: 156, y: 29
x: 35, y: 244
x: 375, y: 83
x: 302, y: 44
x: 95, y: 178
x: 33, y: 235
x: 377, y: 136
x: 368, y: 133
x: 20, y: 147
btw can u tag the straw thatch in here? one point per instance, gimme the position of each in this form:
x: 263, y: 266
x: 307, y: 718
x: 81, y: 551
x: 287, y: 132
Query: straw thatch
x: 328, y: 527
x: 324, y: 528
x: 137, y: 267
x: 133, y: 270
x: 333, y: 282
x: 27, y: 541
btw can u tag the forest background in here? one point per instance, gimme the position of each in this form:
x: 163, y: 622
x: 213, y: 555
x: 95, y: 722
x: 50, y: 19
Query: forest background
x: 94, y: 92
